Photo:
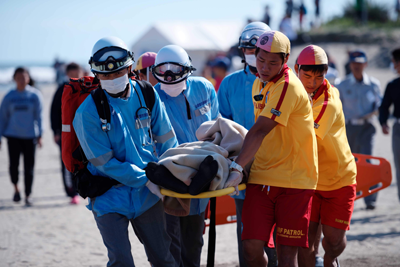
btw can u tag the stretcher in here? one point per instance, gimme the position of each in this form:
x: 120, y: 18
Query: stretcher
x: 371, y: 172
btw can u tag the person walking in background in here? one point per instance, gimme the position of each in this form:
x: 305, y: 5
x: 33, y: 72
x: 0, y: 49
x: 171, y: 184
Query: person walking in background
x: 267, y: 16
x: 143, y: 67
x: 392, y: 96
x: 73, y: 70
x: 286, y: 27
x: 317, y: 9
x: 289, y: 8
x: 361, y: 98
x: 189, y: 101
x: 21, y: 124
x: 219, y: 69
x: 302, y: 13
x: 333, y: 200
x: 236, y: 103
x: 317, y: 20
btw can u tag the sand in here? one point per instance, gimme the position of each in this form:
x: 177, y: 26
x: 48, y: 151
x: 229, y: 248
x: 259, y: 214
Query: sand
x: 55, y: 233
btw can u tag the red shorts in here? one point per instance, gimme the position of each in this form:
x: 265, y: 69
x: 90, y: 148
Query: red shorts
x: 288, y: 208
x: 334, y: 208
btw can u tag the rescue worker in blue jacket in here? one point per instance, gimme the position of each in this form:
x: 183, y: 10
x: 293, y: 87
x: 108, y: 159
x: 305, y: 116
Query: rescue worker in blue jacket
x: 132, y: 138
x: 236, y: 103
x: 189, y: 102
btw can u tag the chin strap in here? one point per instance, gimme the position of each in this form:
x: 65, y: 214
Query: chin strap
x: 245, y: 65
x: 252, y: 69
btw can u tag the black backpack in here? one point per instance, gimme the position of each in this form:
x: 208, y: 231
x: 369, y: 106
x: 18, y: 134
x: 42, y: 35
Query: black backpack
x: 88, y: 185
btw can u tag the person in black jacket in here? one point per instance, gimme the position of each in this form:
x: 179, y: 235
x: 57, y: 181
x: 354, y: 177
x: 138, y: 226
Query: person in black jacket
x: 73, y: 70
x: 392, y: 96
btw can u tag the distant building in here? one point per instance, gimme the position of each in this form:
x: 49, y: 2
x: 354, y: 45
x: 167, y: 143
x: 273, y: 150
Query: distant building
x: 200, y: 38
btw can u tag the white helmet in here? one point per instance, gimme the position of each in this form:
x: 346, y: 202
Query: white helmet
x: 110, y: 54
x: 172, y: 65
x: 250, y: 34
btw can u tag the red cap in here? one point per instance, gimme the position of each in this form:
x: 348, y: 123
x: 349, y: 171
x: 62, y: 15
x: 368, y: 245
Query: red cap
x: 312, y: 55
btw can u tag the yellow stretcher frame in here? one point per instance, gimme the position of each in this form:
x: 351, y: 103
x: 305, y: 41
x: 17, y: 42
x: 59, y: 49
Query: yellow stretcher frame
x: 208, y: 194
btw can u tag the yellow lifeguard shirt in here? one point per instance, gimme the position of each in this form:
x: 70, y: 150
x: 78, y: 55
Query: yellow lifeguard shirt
x: 288, y: 154
x: 337, y: 167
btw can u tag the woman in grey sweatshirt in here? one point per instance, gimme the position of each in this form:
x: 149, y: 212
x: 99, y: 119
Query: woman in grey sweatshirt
x: 21, y: 124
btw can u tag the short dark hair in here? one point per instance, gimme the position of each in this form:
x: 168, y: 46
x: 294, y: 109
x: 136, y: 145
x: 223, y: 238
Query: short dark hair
x: 20, y: 70
x: 396, y: 54
x: 24, y: 70
x: 316, y: 69
x: 72, y: 66
x: 283, y: 55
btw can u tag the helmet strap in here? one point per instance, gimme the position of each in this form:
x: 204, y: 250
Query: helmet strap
x: 253, y: 69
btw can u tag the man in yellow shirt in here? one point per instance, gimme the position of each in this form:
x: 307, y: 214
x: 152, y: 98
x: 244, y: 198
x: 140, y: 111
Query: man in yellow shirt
x: 285, y: 169
x: 333, y: 200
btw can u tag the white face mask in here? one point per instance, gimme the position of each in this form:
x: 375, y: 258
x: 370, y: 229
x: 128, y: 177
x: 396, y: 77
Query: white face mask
x: 173, y: 89
x: 251, y: 60
x: 115, y: 86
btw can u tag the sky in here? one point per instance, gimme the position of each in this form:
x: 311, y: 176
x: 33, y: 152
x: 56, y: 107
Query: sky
x: 38, y: 31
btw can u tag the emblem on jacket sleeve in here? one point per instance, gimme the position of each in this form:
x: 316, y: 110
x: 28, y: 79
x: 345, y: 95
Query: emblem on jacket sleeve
x: 276, y: 112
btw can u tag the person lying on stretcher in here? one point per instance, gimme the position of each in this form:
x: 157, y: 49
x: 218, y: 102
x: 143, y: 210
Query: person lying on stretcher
x: 200, y: 166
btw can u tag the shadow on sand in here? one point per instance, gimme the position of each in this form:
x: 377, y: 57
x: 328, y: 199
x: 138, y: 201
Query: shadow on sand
x: 377, y: 235
x: 39, y: 203
x: 376, y: 219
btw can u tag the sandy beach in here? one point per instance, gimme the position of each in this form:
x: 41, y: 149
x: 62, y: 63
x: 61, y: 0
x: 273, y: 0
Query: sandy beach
x: 54, y: 233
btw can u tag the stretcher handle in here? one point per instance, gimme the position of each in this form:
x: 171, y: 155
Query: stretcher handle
x: 208, y: 194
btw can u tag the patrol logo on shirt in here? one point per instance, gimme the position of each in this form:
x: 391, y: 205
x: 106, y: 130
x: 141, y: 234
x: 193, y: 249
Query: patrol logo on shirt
x: 316, y: 125
x: 264, y: 40
x: 276, y: 112
x: 258, y: 105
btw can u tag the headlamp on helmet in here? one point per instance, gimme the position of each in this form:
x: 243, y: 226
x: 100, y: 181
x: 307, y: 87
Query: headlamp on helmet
x: 110, y: 54
x: 110, y: 59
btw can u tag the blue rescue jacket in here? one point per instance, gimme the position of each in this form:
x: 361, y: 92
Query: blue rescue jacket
x: 123, y: 152
x: 203, y: 106
x: 235, y: 101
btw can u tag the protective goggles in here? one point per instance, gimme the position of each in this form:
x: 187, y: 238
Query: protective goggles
x: 110, y: 59
x: 248, y: 41
x: 171, y: 72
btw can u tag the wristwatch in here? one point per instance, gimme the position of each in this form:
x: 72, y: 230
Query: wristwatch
x: 236, y: 166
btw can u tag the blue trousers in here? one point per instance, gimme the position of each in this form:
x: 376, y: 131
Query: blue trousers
x: 361, y: 139
x: 187, y: 239
x: 396, y: 153
x: 150, y: 229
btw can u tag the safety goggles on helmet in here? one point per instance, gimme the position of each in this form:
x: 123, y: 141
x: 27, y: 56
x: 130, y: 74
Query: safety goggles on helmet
x: 171, y: 72
x: 246, y: 41
x: 110, y: 59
